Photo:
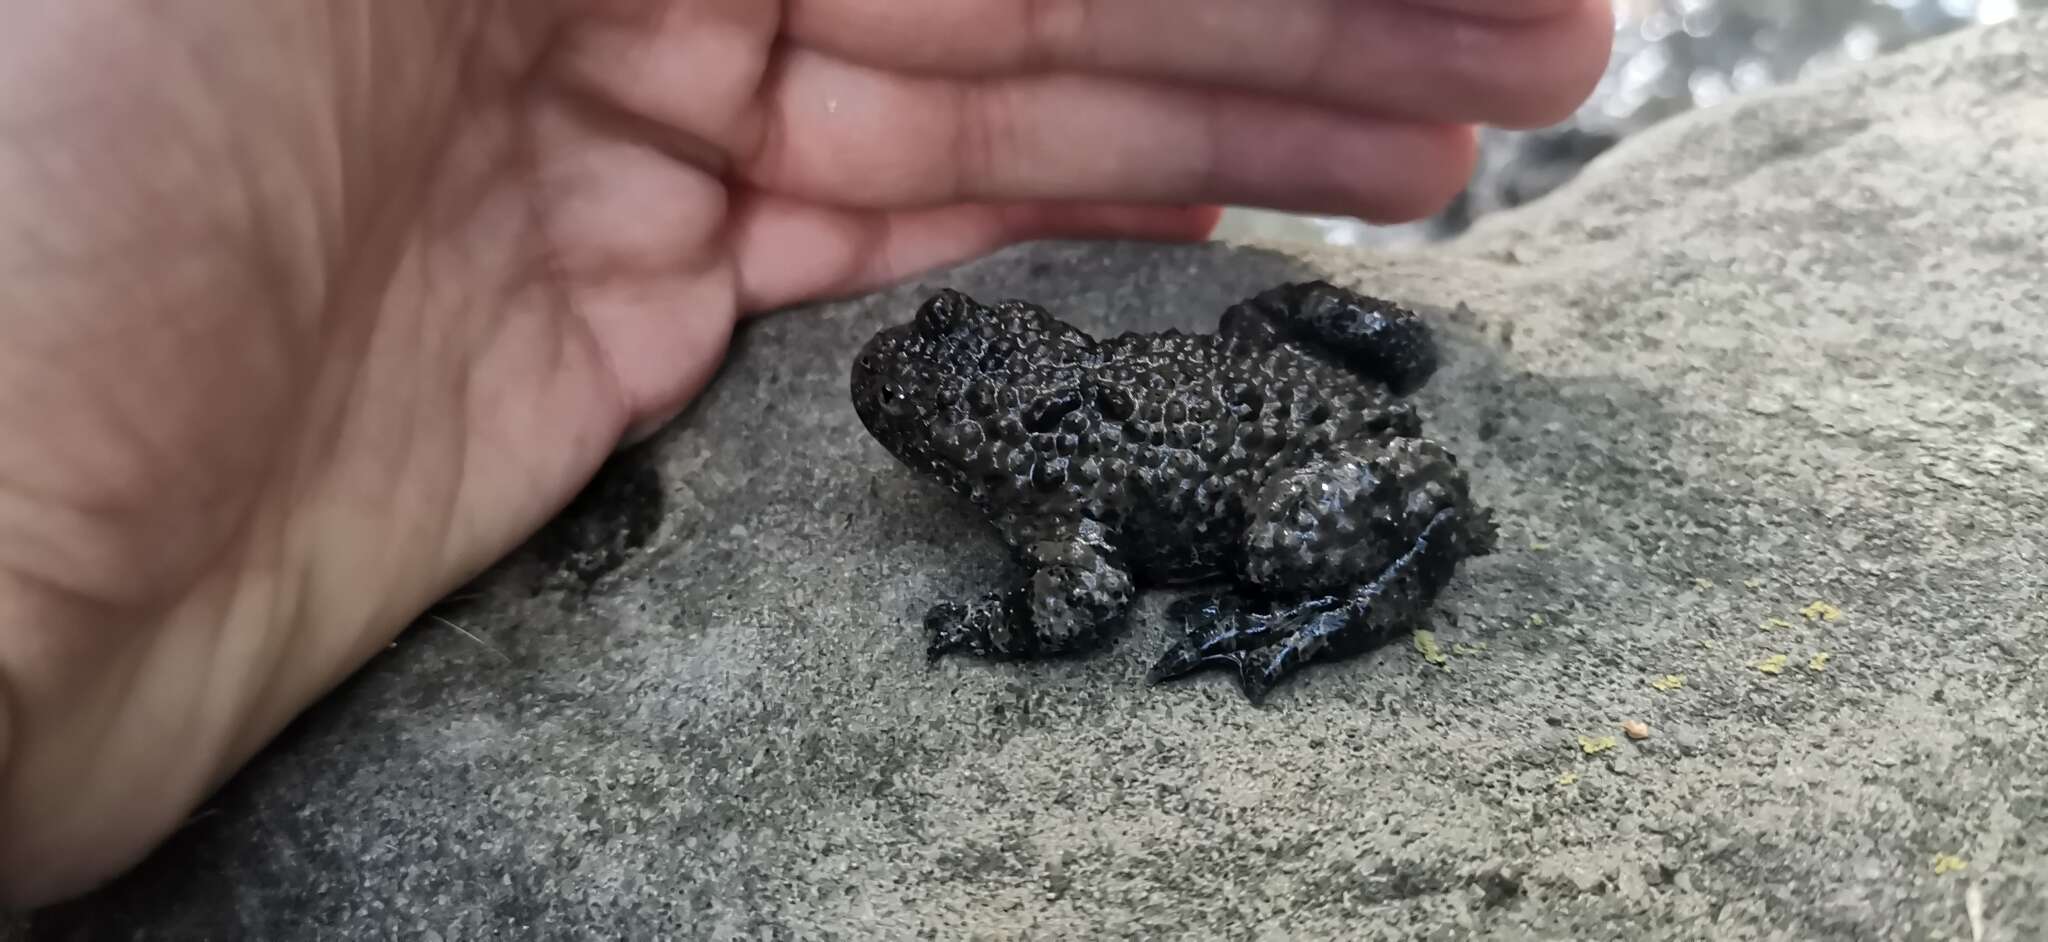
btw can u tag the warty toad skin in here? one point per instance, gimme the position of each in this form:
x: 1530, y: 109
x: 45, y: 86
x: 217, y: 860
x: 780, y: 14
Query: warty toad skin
x: 1277, y: 453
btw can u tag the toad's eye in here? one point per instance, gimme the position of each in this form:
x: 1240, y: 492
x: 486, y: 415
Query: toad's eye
x: 940, y: 314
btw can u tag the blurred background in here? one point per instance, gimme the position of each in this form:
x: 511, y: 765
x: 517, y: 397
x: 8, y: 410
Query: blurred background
x: 1670, y: 56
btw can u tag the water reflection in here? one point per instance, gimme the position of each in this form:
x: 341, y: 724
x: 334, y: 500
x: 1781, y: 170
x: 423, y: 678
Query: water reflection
x: 1670, y: 56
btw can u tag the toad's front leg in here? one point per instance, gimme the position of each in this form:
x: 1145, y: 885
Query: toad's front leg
x: 1074, y: 594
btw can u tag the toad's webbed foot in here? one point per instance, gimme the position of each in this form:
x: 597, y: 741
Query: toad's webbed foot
x: 1216, y: 629
x: 1266, y: 647
x: 992, y: 626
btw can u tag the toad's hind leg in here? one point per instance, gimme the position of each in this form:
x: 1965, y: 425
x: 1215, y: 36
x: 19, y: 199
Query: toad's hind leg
x: 1378, y: 338
x: 1350, y: 548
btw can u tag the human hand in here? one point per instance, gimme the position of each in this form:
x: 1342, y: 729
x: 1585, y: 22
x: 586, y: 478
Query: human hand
x: 313, y: 310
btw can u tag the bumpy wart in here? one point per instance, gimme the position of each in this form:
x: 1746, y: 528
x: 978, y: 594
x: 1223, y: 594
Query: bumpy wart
x: 1276, y: 453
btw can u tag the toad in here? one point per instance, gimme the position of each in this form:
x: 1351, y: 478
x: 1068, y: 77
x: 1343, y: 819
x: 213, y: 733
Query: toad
x: 1278, y: 455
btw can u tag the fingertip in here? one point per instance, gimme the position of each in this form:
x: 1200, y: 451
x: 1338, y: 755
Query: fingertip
x: 1445, y: 158
x: 1413, y: 172
x: 1580, y: 47
x: 1203, y: 221
x: 1517, y: 10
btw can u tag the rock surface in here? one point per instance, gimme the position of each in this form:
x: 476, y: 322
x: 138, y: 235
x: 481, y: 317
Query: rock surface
x: 1797, y: 357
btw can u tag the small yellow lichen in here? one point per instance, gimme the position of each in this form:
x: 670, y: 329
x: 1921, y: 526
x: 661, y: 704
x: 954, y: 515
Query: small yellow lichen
x: 1567, y: 778
x: 1820, y: 611
x: 1709, y: 643
x: 1773, y: 624
x: 1703, y: 584
x: 1669, y: 682
x: 1773, y: 664
x: 1425, y: 642
x: 1945, y: 864
x: 1594, y: 746
x: 1463, y: 648
x: 1536, y: 620
x: 1539, y: 547
x: 1819, y: 662
x: 1752, y: 583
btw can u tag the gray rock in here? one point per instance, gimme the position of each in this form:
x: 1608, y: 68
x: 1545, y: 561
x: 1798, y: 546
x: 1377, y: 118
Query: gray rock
x: 1792, y: 347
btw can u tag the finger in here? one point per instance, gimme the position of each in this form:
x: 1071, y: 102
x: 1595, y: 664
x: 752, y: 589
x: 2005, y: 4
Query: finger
x: 1478, y: 61
x: 846, y: 134
x: 789, y: 252
x: 1522, y: 10
x: 693, y: 74
x: 632, y: 245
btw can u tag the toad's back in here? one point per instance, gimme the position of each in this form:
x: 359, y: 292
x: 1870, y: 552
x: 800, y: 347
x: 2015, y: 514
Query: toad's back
x: 1186, y: 430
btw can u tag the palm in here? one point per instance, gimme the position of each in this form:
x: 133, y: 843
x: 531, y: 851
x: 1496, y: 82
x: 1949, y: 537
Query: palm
x: 508, y: 234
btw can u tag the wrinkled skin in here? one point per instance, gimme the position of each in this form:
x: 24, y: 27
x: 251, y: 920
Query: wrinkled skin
x: 1276, y: 453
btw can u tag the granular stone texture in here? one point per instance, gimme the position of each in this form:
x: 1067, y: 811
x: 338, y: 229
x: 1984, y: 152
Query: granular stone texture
x: 1757, y: 403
